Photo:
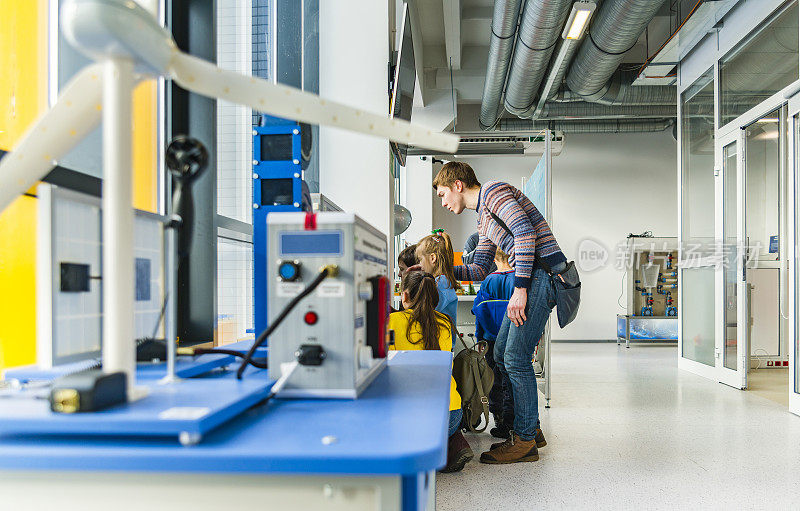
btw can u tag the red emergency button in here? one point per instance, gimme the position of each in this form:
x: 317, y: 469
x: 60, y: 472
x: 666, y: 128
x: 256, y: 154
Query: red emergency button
x: 311, y: 318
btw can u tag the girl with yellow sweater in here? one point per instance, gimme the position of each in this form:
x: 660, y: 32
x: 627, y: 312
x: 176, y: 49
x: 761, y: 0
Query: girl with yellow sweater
x: 421, y: 327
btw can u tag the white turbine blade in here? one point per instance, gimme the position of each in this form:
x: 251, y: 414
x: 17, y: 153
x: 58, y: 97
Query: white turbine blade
x: 207, y: 79
x: 53, y: 135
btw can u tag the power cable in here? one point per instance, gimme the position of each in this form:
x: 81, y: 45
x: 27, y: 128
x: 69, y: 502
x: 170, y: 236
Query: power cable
x: 330, y: 270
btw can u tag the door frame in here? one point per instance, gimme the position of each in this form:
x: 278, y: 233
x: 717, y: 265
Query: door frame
x: 735, y: 378
x: 793, y: 223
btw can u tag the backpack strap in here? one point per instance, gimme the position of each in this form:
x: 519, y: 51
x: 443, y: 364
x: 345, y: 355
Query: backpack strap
x: 484, y: 401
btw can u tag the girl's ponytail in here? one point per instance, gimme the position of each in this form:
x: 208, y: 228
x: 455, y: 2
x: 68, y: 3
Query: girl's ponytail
x: 441, y: 245
x: 424, y: 297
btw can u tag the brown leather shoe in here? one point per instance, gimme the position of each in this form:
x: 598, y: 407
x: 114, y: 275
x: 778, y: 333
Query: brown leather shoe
x: 515, y: 450
x: 458, y: 453
x: 539, y: 437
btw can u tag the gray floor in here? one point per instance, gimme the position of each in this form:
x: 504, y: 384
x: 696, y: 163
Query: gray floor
x: 628, y: 430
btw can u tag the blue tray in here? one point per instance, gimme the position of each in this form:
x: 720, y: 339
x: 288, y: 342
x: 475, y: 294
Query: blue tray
x: 186, y: 410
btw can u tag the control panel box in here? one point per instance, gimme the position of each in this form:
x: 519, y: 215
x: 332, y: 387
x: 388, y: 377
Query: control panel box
x: 343, y: 322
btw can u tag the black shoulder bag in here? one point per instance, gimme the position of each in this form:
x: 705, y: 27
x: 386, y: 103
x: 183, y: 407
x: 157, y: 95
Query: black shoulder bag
x: 566, y: 283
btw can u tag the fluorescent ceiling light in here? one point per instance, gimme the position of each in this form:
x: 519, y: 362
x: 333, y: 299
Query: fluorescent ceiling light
x: 578, y: 19
x: 767, y: 119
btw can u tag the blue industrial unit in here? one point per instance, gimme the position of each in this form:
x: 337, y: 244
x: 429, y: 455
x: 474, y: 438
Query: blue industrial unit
x: 277, y: 186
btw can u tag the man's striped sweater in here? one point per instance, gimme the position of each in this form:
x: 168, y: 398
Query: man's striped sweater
x: 532, y: 236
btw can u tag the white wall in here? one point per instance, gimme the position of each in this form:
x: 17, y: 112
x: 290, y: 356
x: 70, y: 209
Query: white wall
x: 355, y: 168
x: 604, y: 187
x: 419, y: 197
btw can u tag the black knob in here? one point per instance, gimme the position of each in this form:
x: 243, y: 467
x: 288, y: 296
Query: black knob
x: 186, y: 157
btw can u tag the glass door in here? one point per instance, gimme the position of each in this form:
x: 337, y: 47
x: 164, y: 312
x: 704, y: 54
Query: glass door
x: 696, y: 268
x: 732, y: 339
x: 794, y: 255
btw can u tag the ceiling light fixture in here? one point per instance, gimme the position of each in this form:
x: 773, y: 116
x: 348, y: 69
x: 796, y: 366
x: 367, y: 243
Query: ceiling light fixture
x: 578, y: 20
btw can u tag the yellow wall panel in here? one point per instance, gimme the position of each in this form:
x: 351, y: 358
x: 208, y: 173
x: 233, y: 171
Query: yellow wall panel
x: 17, y: 283
x: 145, y: 148
x: 23, y: 97
x: 23, y: 60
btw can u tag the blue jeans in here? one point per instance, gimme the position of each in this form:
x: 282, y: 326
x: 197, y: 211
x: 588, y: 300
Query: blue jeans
x: 455, y: 420
x: 501, y: 402
x: 513, y: 353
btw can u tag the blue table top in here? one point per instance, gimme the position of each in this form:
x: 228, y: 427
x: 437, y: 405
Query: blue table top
x: 397, y: 426
x: 185, y: 367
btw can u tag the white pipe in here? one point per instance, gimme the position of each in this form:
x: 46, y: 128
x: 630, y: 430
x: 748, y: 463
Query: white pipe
x: 171, y: 311
x: 118, y: 278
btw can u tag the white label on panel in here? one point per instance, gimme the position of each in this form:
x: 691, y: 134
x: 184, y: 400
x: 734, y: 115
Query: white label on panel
x: 184, y: 413
x: 289, y: 289
x: 331, y: 290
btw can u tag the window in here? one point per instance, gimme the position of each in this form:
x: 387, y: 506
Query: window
x: 234, y: 132
x: 234, y: 290
x: 761, y: 65
x: 244, y: 45
x: 697, y: 160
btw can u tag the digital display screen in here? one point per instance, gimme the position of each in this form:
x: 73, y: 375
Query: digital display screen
x: 276, y: 192
x: 311, y: 243
x: 276, y: 147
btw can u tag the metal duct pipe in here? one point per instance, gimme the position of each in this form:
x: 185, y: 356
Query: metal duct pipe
x: 540, y: 27
x: 621, y: 91
x: 501, y: 44
x: 585, y: 110
x: 615, y: 29
x: 607, y: 126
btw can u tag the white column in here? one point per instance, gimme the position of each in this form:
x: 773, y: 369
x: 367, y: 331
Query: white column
x: 353, y: 60
x: 419, y: 197
x: 118, y: 280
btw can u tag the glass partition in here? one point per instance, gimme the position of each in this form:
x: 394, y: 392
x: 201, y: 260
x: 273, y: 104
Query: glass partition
x: 729, y: 232
x: 697, y: 160
x: 697, y: 220
x: 763, y: 187
x: 697, y: 314
x: 760, y: 65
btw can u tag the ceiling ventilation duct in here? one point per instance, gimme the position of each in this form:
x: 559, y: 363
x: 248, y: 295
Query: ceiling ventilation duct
x: 540, y: 28
x: 615, y: 30
x: 620, y: 91
x: 501, y: 44
x: 589, y: 126
x: 583, y: 110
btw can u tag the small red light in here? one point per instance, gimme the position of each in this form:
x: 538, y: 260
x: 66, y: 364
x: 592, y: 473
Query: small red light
x: 311, y: 318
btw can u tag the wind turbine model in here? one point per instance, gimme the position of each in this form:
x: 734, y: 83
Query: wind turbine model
x: 129, y: 46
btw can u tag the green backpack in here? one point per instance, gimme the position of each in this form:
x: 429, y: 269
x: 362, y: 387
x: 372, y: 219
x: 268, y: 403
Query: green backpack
x: 473, y: 379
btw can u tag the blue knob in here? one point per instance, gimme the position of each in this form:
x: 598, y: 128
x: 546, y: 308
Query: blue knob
x: 289, y: 271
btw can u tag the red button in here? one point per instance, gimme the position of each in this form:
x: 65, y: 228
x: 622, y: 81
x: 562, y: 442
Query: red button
x: 311, y: 318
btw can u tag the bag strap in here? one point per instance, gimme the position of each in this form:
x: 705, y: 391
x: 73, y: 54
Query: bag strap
x: 483, y: 398
x: 501, y: 224
x: 538, y: 260
x: 454, y: 332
